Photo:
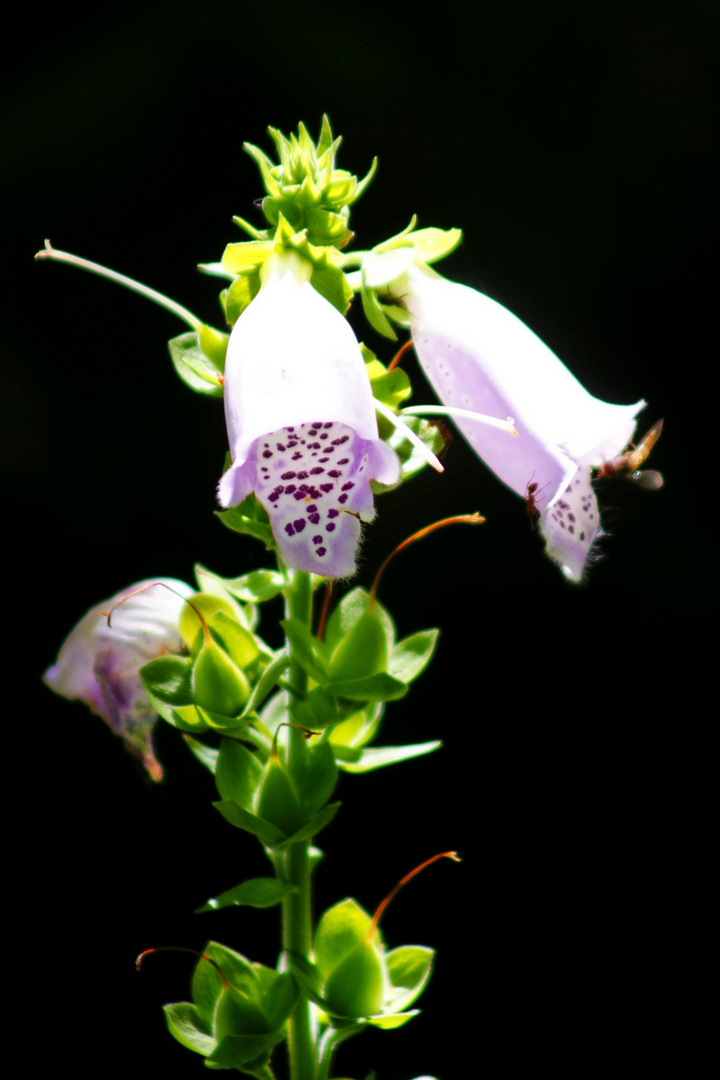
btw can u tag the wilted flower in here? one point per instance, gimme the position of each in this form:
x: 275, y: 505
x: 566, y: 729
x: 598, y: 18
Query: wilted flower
x: 100, y: 663
x: 301, y: 422
x: 479, y: 356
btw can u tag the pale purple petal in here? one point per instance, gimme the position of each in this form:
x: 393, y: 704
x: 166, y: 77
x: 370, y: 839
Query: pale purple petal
x: 570, y: 526
x: 99, y: 664
x: 301, y: 424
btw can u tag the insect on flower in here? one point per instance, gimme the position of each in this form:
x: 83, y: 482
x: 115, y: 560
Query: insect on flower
x: 626, y: 465
x: 530, y: 497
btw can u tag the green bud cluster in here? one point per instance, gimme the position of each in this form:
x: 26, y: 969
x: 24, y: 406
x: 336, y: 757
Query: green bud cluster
x: 306, y: 188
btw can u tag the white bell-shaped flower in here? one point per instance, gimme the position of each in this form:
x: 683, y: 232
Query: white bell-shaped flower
x: 100, y: 663
x: 301, y: 422
x: 480, y: 357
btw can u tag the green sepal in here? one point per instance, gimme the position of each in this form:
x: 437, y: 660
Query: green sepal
x: 238, y: 774
x: 206, y: 755
x: 375, y: 314
x: 247, y: 1053
x: 257, y: 234
x: 390, y: 1021
x: 240, y: 644
x: 356, y: 986
x: 352, y: 760
x: 314, y: 773
x: 193, y: 366
x: 195, y: 720
x: 315, y: 825
x: 409, y: 968
x: 240, y: 295
x: 250, y: 519
x: 380, y: 687
x: 187, y: 1026
x: 278, y: 799
x: 352, y: 606
x: 256, y: 892
x: 391, y: 388
x: 265, y: 831
x: 168, y: 684
x: 212, y: 584
x: 279, y: 664
x: 318, y: 710
x: 214, y: 344
x: 339, y: 930
x: 219, y: 684
x: 412, y: 655
x: 246, y: 256
x: 306, y: 650
x: 364, y: 650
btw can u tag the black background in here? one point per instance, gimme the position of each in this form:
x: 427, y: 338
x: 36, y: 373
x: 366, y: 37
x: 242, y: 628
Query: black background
x: 577, y: 148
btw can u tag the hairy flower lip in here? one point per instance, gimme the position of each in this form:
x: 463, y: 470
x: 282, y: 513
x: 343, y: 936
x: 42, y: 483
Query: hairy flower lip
x: 100, y: 664
x: 294, y: 367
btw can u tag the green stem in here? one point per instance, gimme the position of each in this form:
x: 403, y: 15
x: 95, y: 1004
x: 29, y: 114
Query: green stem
x: 297, y: 913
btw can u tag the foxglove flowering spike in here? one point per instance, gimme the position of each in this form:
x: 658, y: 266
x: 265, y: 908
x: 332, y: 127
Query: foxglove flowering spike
x: 301, y: 422
x: 480, y: 356
x: 100, y: 663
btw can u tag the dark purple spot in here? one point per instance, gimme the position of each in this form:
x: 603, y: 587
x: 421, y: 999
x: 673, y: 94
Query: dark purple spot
x: 324, y: 435
x: 279, y: 446
x: 298, y: 496
x: 343, y: 461
x: 582, y: 535
x: 342, y: 499
x: 314, y: 519
x: 317, y: 471
x: 562, y: 524
x: 289, y: 529
x: 305, y: 487
x: 267, y: 453
x: 326, y: 487
x: 311, y: 508
x: 571, y: 528
x: 330, y: 527
x: 334, y: 473
x: 296, y: 456
x: 314, y: 446
x: 289, y: 489
x: 317, y: 539
x: 348, y: 486
x: 321, y: 551
x: 274, y: 497
x: 333, y: 513
x: 328, y: 425
x: 302, y: 476
x: 299, y: 525
x: 571, y: 517
x: 288, y: 476
x: 323, y: 460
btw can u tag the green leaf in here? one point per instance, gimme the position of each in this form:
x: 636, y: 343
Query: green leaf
x: 206, y: 755
x: 239, y: 643
x: 250, y: 519
x: 380, y: 687
x: 257, y: 892
x: 409, y: 969
x: 306, y: 650
x: 412, y: 655
x: 269, y: 834
x: 193, y: 366
x: 238, y: 773
x: 313, y: 827
x: 315, y: 776
x: 375, y: 315
x: 187, y: 1026
x: 168, y: 683
x: 377, y: 757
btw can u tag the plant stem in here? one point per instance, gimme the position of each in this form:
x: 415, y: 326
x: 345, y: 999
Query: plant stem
x: 297, y: 914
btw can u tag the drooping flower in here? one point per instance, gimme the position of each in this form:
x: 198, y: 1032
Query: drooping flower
x: 479, y: 356
x: 100, y: 663
x: 301, y: 422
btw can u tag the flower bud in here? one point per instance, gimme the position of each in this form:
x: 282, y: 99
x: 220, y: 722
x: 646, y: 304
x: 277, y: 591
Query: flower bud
x: 364, y: 649
x: 219, y: 684
x: 356, y: 986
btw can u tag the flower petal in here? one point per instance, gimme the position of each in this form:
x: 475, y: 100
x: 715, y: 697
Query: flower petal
x: 571, y: 524
x: 301, y: 423
x: 100, y: 663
